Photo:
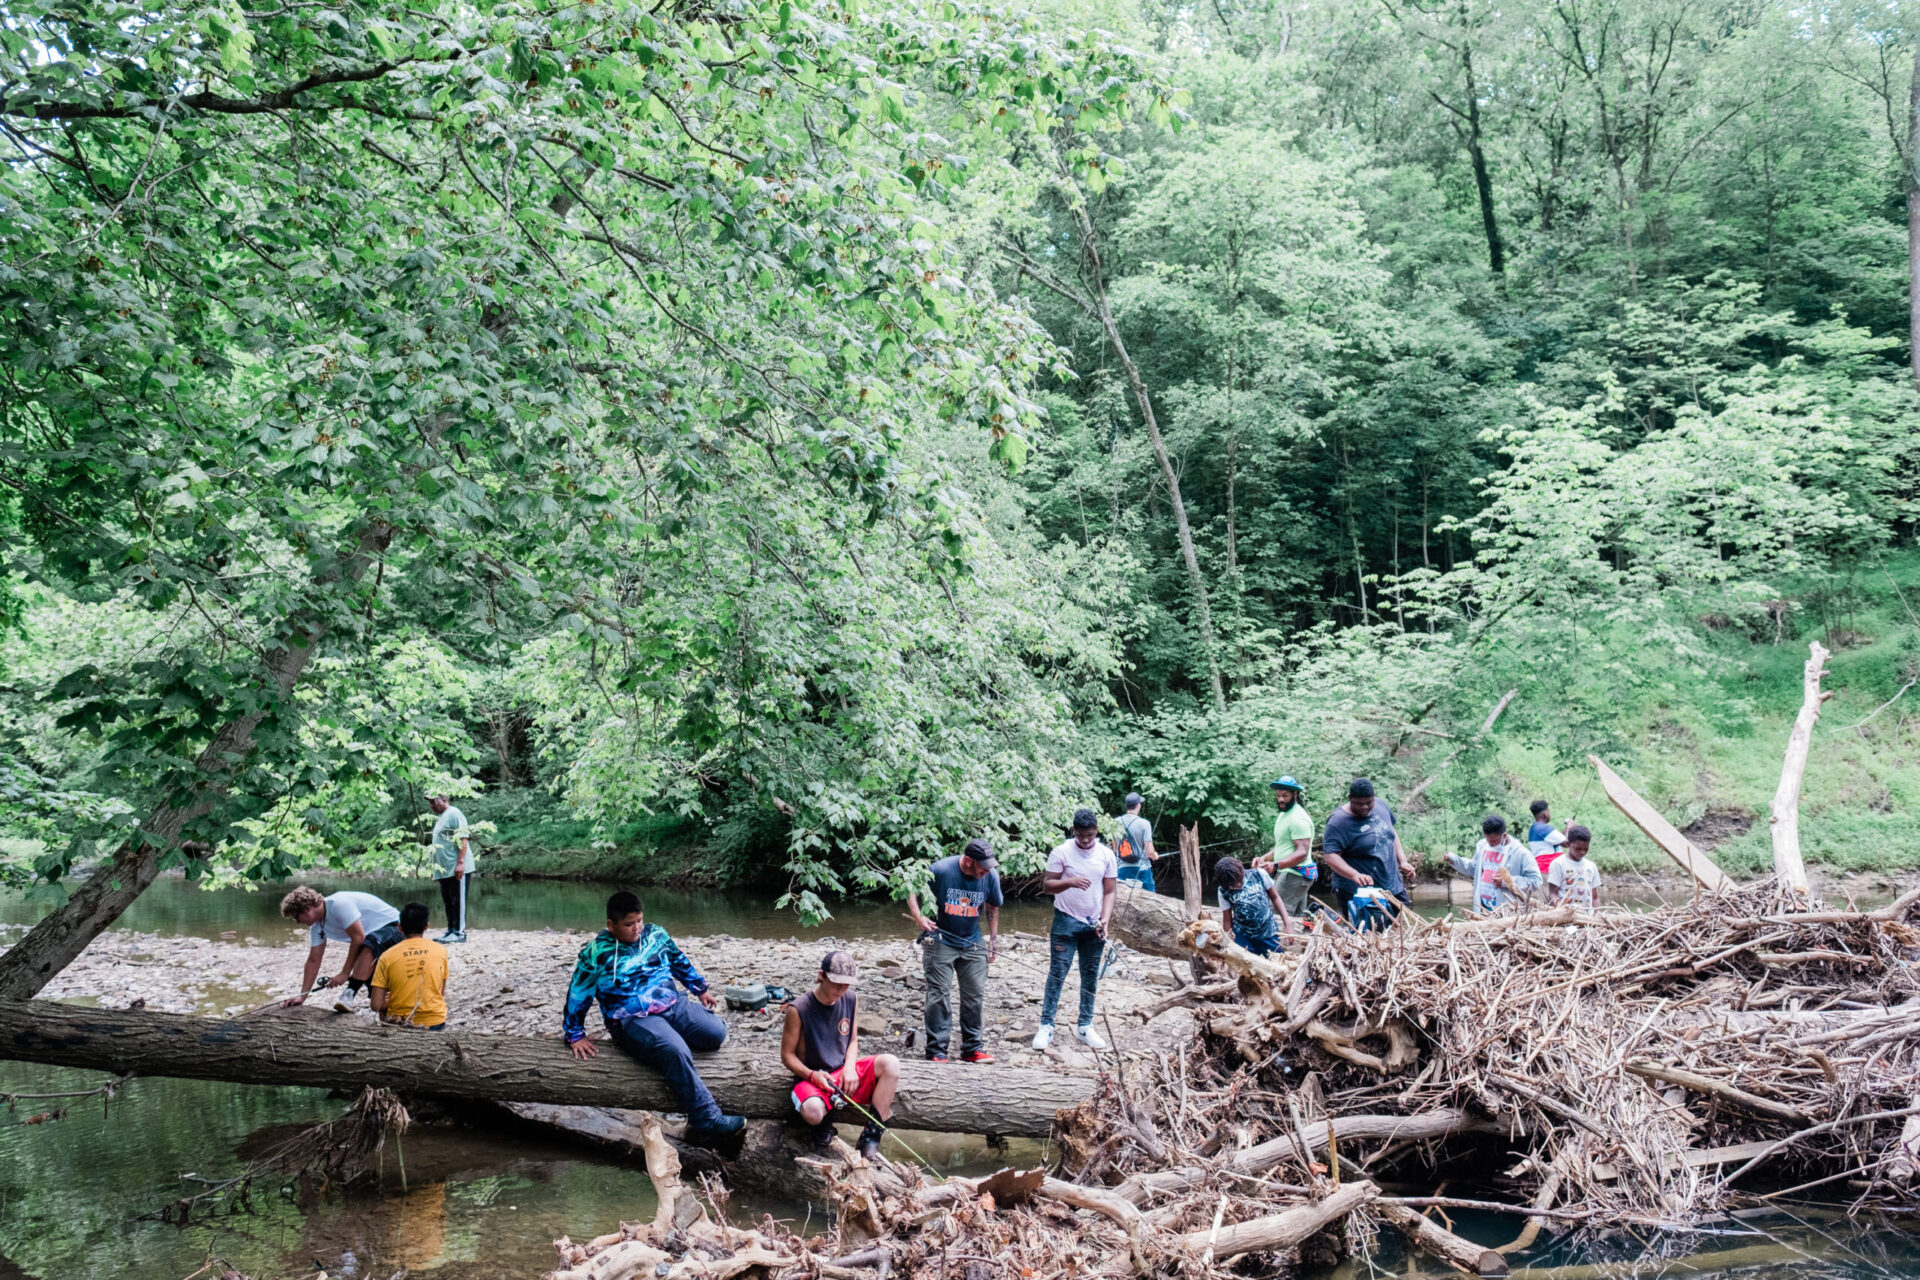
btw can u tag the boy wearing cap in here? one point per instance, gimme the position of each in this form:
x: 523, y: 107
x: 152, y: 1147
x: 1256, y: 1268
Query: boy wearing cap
x: 1135, y: 848
x: 965, y: 889
x: 820, y: 1045
x: 1082, y: 875
x: 1291, y: 862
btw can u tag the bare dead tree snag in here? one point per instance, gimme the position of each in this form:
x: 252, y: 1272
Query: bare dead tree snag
x: 1788, y: 866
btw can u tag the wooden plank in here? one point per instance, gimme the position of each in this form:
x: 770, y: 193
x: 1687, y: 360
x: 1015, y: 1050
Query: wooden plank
x: 1692, y: 859
x: 1698, y: 1159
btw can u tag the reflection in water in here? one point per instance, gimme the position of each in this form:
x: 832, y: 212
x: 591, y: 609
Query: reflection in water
x: 76, y: 1194
x: 1787, y: 1245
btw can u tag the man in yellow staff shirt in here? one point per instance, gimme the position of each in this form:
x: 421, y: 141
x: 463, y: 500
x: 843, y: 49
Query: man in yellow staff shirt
x: 410, y: 982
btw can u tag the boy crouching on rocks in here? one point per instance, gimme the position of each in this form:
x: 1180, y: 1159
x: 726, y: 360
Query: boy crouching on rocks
x: 820, y: 1045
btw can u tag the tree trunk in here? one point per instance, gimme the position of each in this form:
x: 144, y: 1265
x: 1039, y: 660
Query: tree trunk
x: 1482, y: 177
x: 53, y: 943
x: 1203, y: 610
x: 335, y: 1052
x: 1913, y: 217
x: 1149, y: 922
x: 1788, y: 866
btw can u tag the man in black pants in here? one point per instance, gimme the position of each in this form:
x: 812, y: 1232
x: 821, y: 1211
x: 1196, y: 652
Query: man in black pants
x: 452, y: 864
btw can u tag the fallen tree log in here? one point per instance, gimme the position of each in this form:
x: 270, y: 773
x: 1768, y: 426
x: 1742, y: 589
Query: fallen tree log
x: 1474, y: 1259
x: 1149, y: 922
x: 1280, y: 1230
x: 328, y: 1051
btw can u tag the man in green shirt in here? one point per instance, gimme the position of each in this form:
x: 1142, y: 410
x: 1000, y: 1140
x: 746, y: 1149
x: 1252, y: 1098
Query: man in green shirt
x: 452, y: 864
x: 1292, y: 858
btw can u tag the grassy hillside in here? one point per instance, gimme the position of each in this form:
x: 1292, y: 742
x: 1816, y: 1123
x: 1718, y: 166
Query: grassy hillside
x: 1701, y: 734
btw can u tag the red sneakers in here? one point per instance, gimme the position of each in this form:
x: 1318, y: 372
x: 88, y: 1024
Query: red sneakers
x: 976, y: 1055
x: 936, y: 1057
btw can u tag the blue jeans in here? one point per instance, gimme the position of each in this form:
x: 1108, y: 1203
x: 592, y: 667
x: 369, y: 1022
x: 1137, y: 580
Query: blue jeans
x: 1072, y: 937
x: 1143, y: 873
x: 667, y: 1041
x: 1264, y: 943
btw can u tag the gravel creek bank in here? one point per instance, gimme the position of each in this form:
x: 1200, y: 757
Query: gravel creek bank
x: 515, y: 981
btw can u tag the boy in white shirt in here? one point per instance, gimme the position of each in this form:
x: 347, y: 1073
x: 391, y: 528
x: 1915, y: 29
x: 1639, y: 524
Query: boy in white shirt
x: 1573, y: 878
x: 1082, y: 875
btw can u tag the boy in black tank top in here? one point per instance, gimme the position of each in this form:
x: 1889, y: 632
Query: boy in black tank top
x: 820, y: 1045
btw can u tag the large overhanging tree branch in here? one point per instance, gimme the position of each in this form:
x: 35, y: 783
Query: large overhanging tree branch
x: 322, y: 323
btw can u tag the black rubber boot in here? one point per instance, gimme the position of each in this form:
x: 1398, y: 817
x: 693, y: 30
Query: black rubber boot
x: 869, y: 1144
x: 716, y: 1134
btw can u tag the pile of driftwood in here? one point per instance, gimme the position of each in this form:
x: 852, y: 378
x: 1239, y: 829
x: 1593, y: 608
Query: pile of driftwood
x: 1590, y: 1070
x: 1642, y: 1063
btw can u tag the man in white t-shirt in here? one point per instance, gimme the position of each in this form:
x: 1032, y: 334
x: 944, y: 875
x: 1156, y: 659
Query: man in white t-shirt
x: 1573, y: 878
x: 1082, y: 875
x: 365, y: 923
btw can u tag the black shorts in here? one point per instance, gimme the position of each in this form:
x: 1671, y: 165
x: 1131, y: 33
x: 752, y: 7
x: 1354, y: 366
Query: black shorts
x: 381, y: 940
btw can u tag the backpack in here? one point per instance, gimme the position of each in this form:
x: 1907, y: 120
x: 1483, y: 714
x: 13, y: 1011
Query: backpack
x: 1124, y: 848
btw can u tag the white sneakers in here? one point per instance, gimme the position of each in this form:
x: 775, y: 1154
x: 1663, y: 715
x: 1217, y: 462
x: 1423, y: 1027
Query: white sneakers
x: 1044, y: 1036
x: 1085, y: 1035
x: 345, y: 1000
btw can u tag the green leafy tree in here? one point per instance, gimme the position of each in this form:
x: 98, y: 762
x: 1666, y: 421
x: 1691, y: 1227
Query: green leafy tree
x: 323, y: 323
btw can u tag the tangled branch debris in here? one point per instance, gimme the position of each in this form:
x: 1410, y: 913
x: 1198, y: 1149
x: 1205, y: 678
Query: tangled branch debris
x: 1625, y: 1069
x: 335, y: 1152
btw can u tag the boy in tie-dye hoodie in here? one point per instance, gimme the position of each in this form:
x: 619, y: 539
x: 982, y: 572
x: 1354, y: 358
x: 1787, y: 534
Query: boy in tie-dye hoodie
x: 632, y: 968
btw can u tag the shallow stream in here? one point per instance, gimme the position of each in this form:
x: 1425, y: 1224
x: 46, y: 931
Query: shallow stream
x: 80, y: 1196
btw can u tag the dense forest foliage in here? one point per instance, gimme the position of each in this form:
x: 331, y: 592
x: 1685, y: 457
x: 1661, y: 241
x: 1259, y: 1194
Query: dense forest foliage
x: 825, y: 433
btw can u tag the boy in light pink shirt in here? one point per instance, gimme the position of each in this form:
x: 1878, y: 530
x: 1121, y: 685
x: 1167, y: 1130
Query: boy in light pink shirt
x: 1082, y: 875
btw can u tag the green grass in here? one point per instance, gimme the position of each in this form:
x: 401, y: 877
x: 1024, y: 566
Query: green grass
x: 1707, y: 737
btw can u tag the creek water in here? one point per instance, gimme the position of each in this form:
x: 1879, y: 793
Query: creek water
x: 80, y: 1195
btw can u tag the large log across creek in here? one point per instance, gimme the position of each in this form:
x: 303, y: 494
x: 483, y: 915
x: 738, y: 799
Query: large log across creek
x: 331, y: 1051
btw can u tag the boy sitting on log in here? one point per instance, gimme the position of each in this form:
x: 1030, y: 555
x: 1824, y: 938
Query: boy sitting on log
x: 820, y: 1045
x: 410, y: 981
x: 631, y: 968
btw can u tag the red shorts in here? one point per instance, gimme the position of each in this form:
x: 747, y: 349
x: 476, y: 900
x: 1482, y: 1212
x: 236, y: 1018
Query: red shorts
x: 862, y: 1093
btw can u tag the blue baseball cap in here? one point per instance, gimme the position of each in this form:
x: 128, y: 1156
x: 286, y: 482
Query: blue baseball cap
x: 1288, y: 782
